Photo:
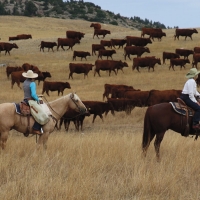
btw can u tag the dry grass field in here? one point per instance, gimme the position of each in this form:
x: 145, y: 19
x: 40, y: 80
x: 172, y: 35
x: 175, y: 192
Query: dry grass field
x: 104, y: 162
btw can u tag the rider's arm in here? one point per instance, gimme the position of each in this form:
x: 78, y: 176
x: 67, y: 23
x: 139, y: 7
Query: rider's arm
x: 33, y: 91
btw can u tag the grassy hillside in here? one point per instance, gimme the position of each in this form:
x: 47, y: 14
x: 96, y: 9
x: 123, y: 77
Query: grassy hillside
x: 103, y: 162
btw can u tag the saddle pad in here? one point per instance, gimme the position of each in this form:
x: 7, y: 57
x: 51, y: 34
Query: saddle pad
x: 180, y: 111
x: 17, y: 108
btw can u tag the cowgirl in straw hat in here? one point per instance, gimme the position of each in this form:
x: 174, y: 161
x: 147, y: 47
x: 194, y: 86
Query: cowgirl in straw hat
x: 188, y: 95
x: 29, y: 88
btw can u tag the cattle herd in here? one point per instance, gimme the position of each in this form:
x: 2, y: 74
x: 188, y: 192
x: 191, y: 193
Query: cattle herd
x: 119, y: 97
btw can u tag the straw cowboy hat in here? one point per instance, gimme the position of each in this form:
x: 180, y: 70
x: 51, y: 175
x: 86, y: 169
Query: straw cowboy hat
x: 29, y: 74
x: 192, y: 73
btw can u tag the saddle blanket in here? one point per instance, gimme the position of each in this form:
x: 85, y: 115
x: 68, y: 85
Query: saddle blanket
x: 180, y: 111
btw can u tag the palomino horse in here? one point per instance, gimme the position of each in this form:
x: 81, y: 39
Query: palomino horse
x: 9, y: 119
x: 158, y: 119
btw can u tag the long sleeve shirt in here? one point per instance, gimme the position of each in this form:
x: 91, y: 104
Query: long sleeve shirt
x: 30, y: 90
x: 190, y: 88
x: 33, y: 91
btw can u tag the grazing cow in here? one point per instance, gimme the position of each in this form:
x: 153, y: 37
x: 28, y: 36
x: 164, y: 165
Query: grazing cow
x: 55, y: 86
x: 24, y: 36
x: 139, y: 97
x: 75, y: 34
x: 42, y: 78
x: 103, y: 32
x: 79, y: 68
x: 145, y: 62
x: 98, y: 108
x: 157, y: 35
x: 169, y: 55
x: 10, y: 69
x: 106, y: 43
x: 177, y: 62
x: 27, y: 66
x: 13, y: 38
x: 148, y: 31
x: 7, y: 47
x: 184, y: 52
x: 67, y: 42
x: 135, y: 50
x: 96, y: 25
x: 184, y: 32
x: 119, y: 93
x: 196, y: 49
x: 118, y: 42
x: 82, y: 54
x: 137, y: 41
x: 109, y: 87
x: 96, y: 47
x: 48, y: 45
x: 16, y: 77
x: 107, y: 53
x: 109, y: 65
x: 163, y: 96
x: 196, y: 59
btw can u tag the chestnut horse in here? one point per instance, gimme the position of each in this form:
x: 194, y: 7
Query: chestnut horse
x: 9, y: 119
x: 158, y: 119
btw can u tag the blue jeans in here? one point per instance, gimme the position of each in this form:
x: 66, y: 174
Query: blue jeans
x: 194, y: 106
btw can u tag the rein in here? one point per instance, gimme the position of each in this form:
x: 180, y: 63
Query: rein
x: 59, y: 114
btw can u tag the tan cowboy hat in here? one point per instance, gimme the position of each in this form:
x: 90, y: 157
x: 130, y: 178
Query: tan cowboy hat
x: 29, y: 74
x: 192, y: 73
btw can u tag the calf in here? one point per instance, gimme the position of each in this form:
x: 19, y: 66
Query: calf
x: 135, y: 50
x: 169, y: 55
x: 103, y: 32
x: 97, y: 47
x: 55, y: 86
x: 7, y: 47
x: 107, y: 53
x: 177, y: 62
x: 79, y: 68
x: 48, y: 45
x: 81, y: 54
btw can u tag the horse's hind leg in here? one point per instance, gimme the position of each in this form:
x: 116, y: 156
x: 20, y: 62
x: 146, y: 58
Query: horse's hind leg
x: 3, y: 139
x: 158, y: 140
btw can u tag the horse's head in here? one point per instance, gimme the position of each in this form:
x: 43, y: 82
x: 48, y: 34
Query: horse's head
x: 78, y: 103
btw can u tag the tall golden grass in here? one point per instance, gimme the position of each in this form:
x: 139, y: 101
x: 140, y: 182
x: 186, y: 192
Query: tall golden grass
x: 104, y: 161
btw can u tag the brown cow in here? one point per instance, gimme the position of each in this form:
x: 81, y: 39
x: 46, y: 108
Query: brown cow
x: 13, y: 38
x: 148, y: 31
x: 98, y: 108
x: 109, y: 65
x: 16, y: 77
x: 79, y: 68
x: 24, y: 36
x: 7, y: 47
x: 137, y: 41
x: 196, y: 49
x: 157, y: 35
x: 106, y: 43
x: 96, y: 25
x: 109, y: 87
x: 107, y: 53
x: 27, y: 66
x: 163, y: 96
x: 67, y: 42
x: 96, y: 47
x: 103, y: 32
x: 42, y: 78
x: 169, y: 55
x: 118, y: 42
x: 145, y: 62
x: 119, y: 93
x: 75, y: 34
x: 48, y: 45
x: 177, y: 62
x: 81, y: 54
x: 196, y: 59
x: 55, y: 86
x: 184, y: 32
x: 10, y: 69
x: 135, y: 50
x: 184, y: 52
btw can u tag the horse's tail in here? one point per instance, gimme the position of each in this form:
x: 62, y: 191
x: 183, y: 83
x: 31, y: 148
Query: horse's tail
x: 146, y: 131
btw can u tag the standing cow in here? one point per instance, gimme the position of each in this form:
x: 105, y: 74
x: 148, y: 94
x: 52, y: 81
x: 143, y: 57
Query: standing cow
x: 7, y: 47
x: 81, y: 54
x: 95, y: 25
x: 184, y: 32
x: 75, y: 34
x: 135, y: 50
x: 67, y: 42
x: 48, y: 45
x: 103, y: 32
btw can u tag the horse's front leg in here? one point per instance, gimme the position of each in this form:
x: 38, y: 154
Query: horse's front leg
x: 158, y: 140
x: 43, y: 140
x: 3, y: 139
